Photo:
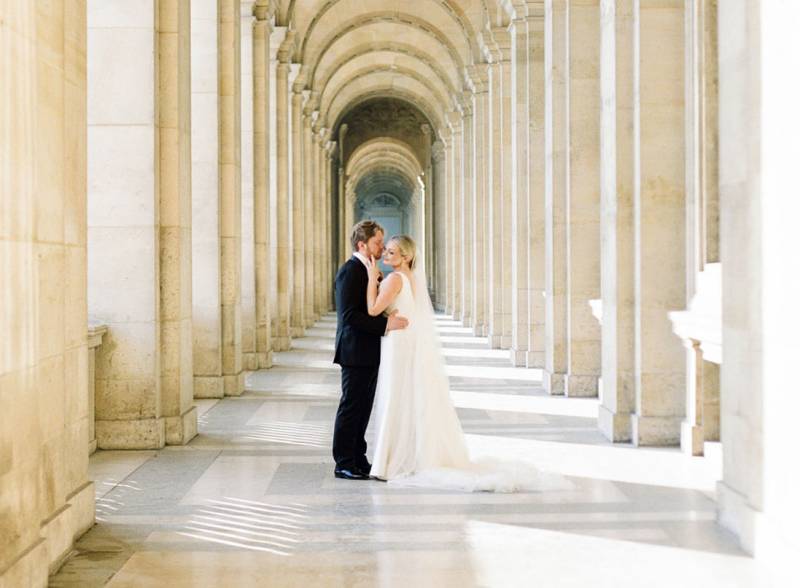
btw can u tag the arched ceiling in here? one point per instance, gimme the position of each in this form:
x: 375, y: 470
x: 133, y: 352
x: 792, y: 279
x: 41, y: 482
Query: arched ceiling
x: 387, y: 165
x: 412, y: 60
x: 349, y: 50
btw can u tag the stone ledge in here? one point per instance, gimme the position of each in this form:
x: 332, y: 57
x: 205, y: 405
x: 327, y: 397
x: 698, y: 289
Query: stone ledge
x: 615, y: 426
x: 581, y: 386
x: 179, y: 430
x: 131, y: 434
x: 208, y: 387
x: 656, y: 431
x: 29, y: 569
x: 58, y: 534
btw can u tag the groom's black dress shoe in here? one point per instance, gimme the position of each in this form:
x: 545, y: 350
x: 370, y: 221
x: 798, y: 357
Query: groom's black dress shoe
x: 354, y: 474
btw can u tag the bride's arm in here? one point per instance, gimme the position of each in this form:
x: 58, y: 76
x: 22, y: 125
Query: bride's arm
x: 377, y: 302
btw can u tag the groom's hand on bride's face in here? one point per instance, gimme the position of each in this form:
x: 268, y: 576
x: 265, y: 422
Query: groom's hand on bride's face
x: 396, y: 322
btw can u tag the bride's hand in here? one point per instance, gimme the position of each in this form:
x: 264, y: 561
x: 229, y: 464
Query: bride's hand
x: 373, y: 270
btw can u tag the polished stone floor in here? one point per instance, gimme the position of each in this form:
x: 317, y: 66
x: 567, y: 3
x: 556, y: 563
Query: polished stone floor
x: 252, y: 500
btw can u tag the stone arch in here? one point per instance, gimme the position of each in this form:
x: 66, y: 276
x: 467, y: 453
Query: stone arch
x: 443, y: 15
x: 383, y: 53
x: 385, y: 145
x: 433, y: 112
x: 384, y: 75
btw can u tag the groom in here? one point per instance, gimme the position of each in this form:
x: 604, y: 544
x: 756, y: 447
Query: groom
x: 358, y: 352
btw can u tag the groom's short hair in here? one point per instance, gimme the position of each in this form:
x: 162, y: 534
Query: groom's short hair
x: 364, y: 231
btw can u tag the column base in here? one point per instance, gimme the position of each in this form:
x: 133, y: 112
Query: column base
x: 735, y: 514
x: 250, y: 361
x: 495, y: 341
x: 70, y: 522
x: 92, y: 446
x: 477, y: 329
x: 615, y: 426
x: 29, y: 569
x: 57, y: 536
x: 233, y: 384
x: 131, y: 434
x: 466, y: 320
x: 534, y: 359
x: 297, y: 332
x: 554, y: 383
x: 518, y: 357
x: 208, y: 387
x: 655, y: 431
x: 181, y: 429
x: 581, y: 386
x: 265, y: 360
x: 759, y: 535
x: 505, y: 342
x: 692, y: 438
x: 282, y: 343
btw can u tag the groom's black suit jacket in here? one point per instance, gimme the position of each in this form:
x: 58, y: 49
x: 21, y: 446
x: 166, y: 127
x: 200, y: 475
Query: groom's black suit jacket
x: 358, y: 335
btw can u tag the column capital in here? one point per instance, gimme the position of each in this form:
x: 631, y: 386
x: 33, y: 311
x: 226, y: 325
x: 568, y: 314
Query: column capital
x: 467, y: 104
x: 500, y: 48
x: 264, y: 10
x: 286, y: 50
x: 479, y: 76
x: 437, y: 151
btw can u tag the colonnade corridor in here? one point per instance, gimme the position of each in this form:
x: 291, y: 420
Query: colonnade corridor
x: 252, y: 501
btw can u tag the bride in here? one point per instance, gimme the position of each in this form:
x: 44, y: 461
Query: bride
x: 419, y: 437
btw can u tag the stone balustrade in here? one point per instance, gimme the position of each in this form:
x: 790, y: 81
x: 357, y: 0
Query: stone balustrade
x: 94, y: 341
x: 700, y: 329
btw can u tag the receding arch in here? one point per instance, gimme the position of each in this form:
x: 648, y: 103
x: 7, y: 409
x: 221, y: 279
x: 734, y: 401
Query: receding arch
x: 346, y: 102
x: 441, y: 15
x: 384, y: 75
x: 404, y: 25
x: 321, y: 77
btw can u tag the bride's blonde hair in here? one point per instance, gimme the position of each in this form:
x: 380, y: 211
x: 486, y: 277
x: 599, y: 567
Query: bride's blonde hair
x: 407, y: 247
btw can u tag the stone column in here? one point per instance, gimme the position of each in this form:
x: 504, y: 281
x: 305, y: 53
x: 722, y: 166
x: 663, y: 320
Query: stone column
x: 140, y: 211
x: 248, y: 278
x: 206, y: 302
x: 556, y: 213
x: 324, y: 229
x: 346, y: 247
x: 349, y: 211
x: 467, y: 212
x: 276, y: 39
x: 262, y: 176
x: 479, y: 75
x: 309, y: 204
x: 536, y: 187
x: 298, y: 309
x: 759, y: 239
x: 494, y: 268
x: 46, y: 498
x: 650, y: 159
x: 500, y: 203
x: 520, y: 205
x: 175, y: 220
x: 321, y: 229
x: 439, y: 220
x: 447, y: 227
x: 427, y: 216
x: 230, y: 196
x: 284, y: 256
x: 457, y: 208
x: 617, y: 52
x: 583, y: 193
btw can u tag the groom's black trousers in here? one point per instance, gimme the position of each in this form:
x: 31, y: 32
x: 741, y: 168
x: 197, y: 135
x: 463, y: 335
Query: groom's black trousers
x: 352, y: 418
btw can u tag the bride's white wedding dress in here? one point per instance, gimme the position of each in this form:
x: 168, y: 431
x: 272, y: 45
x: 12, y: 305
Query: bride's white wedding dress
x: 419, y: 440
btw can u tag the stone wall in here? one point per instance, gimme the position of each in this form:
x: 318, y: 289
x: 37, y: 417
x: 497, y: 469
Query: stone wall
x: 46, y: 500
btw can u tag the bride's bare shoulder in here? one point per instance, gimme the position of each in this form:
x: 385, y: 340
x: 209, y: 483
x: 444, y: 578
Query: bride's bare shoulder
x: 393, y: 281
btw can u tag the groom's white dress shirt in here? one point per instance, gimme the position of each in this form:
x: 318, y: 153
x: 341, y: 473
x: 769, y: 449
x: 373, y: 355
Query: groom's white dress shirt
x: 361, y: 258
